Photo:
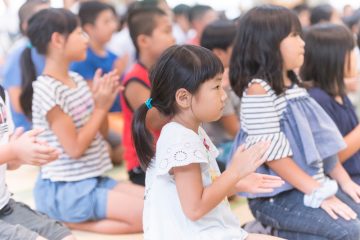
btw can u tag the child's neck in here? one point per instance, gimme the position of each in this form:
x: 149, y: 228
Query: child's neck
x: 57, y: 68
x: 98, y: 48
x: 147, y: 60
x: 187, y: 121
x: 286, y: 79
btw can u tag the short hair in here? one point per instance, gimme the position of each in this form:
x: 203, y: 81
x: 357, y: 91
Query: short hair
x: 352, y: 20
x: 143, y: 21
x: 321, y: 13
x: 89, y: 11
x: 198, y: 11
x: 182, y: 9
x: 27, y: 10
x: 300, y: 8
x: 219, y: 34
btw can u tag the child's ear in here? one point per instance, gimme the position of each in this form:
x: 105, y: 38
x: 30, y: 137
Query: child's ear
x: 183, y: 98
x: 88, y: 28
x: 142, y: 40
x: 57, y: 40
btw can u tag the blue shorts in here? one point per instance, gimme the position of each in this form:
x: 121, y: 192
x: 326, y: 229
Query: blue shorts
x: 78, y: 201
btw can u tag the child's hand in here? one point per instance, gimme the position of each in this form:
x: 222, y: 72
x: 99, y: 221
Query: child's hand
x: 30, y: 151
x: 335, y: 207
x: 258, y: 183
x: 247, y: 161
x: 105, y: 89
x: 352, y: 189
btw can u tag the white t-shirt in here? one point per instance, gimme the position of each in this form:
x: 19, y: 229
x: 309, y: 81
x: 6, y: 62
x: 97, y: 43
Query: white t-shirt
x: 6, y: 127
x: 163, y: 216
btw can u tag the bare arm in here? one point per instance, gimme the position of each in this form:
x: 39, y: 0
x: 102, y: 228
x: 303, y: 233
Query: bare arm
x: 231, y: 124
x: 287, y: 169
x: 14, y: 94
x: 75, y: 142
x: 196, y: 200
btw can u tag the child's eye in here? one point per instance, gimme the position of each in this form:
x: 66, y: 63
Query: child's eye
x: 217, y: 87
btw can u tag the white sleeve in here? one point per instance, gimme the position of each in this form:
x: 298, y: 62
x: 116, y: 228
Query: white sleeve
x: 8, y: 114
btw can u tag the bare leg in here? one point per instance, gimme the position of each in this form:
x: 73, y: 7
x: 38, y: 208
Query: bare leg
x: 71, y: 237
x: 253, y: 236
x: 130, y: 188
x: 124, y: 215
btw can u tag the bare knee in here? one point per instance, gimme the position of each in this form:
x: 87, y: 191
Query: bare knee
x: 71, y: 237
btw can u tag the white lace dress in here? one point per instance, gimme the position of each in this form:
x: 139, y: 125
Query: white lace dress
x: 163, y: 216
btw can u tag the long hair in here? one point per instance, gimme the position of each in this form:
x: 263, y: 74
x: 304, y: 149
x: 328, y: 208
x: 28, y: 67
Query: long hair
x: 40, y: 29
x: 256, y: 52
x: 179, y: 67
x: 326, y: 48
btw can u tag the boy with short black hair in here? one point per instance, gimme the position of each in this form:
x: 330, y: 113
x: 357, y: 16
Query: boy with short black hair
x: 151, y: 32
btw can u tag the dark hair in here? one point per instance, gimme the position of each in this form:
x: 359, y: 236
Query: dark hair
x: 182, y: 9
x: 198, y: 11
x: 300, y: 8
x: 27, y: 10
x: 89, y: 11
x: 321, y: 13
x: 41, y: 27
x: 326, y: 48
x: 143, y: 20
x: 352, y: 20
x: 183, y: 66
x: 256, y: 52
x: 219, y: 34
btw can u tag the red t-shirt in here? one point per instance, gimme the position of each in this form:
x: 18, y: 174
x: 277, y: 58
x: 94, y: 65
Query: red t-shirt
x: 140, y: 74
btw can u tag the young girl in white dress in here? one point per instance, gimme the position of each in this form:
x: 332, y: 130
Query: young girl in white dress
x: 185, y: 194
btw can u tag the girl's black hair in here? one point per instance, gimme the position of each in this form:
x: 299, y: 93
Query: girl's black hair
x: 326, y: 47
x: 256, y: 52
x: 183, y: 66
x: 40, y: 29
x: 218, y: 34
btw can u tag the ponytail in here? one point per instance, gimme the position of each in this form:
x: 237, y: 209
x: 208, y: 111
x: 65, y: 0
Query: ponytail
x: 41, y: 26
x: 28, y: 75
x: 142, y: 137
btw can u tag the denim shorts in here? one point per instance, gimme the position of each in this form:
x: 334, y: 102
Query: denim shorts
x: 78, y: 201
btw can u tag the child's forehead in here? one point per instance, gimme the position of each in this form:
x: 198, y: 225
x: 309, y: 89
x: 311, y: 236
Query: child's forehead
x: 104, y: 13
x: 161, y: 20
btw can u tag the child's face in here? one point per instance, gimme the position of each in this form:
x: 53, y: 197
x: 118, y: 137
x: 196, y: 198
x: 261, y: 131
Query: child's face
x: 161, y: 37
x: 224, y: 55
x: 292, y: 51
x: 76, y: 45
x: 209, y: 17
x: 350, y: 68
x: 208, y: 103
x: 104, y: 27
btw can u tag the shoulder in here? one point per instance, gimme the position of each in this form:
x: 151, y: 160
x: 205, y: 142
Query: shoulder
x: 174, y: 133
x: 320, y: 95
x: 258, y: 87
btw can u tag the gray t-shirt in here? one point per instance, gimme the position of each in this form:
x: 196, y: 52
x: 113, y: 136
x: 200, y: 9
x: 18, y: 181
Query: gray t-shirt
x: 216, y: 130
